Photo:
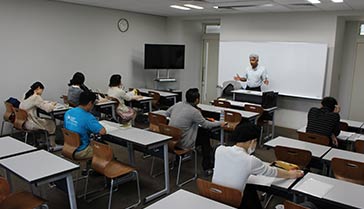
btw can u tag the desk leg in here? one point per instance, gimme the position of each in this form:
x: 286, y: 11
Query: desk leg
x: 71, y: 192
x: 273, y: 124
x: 131, y: 153
x: 166, y: 189
x: 175, y: 99
x: 222, y: 136
x: 233, y: 96
x: 150, y: 106
x: 8, y: 177
x: 113, y: 112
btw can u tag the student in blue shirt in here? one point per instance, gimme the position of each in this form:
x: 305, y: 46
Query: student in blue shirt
x: 81, y: 121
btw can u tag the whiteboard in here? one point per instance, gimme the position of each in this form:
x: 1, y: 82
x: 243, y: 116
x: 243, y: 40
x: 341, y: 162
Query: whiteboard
x: 294, y: 68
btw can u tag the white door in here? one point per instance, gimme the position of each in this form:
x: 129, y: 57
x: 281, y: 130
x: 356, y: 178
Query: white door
x: 210, y: 66
x: 357, y: 95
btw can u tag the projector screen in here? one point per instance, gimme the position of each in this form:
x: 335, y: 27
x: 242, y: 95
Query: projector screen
x: 294, y: 68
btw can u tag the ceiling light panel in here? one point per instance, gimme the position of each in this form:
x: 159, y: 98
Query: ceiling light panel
x: 193, y: 6
x: 180, y: 7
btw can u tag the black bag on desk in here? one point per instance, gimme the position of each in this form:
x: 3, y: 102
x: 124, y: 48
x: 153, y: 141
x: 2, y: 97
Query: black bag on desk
x: 269, y: 99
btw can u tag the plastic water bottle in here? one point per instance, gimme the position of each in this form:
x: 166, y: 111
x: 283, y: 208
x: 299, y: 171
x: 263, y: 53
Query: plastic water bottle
x: 222, y: 116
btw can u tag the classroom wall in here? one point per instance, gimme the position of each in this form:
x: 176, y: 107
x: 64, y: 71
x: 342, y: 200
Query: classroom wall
x: 49, y: 41
x: 297, y: 27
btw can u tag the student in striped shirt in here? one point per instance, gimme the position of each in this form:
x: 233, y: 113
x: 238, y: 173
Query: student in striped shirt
x: 325, y: 120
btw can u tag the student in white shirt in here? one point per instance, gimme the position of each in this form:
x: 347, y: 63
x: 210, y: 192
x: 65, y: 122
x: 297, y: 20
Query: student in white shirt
x: 234, y: 164
x: 255, y: 75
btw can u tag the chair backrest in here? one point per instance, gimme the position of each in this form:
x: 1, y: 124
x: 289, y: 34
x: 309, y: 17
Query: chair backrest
x: 344, y: 126
x: 292, y: 155
x: 71, y: 142
x: 348, y: 170
x: 219, y: 193
x: 9, y: 114
x: 292, y: 205
x: 155, y: 120
x: 101, y: 157
x: 257, y: 109
x: 174, y: 132
x: 156, y: 98
x: 359, y: 146
x: 20, y: 118
x: 222, y: 103
x: 4, y: 188
x: 232, y: 118
x: 314, y: 138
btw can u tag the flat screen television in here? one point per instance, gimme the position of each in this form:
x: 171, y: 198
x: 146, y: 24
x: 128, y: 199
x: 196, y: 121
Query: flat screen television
x: 164, y: 56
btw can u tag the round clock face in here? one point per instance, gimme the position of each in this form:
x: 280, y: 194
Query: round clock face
x: 123, y: 25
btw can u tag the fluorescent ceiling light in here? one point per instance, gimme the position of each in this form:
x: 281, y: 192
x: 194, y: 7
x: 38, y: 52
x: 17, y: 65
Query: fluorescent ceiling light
x: 180, y: 7
x: 337, y: 1
x: 267, y: 5
x: 215, y: 7
x: 193, y: 6
x: 314, y: 1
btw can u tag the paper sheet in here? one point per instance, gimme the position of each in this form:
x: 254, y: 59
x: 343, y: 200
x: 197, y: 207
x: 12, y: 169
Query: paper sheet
x: 314, y: 187
x: 109, y: 128
x: 260, y: 180
x: 344, y: 135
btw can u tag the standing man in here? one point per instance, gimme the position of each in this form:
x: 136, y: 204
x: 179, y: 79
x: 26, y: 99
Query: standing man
x: 255, y: 75
x: 81, y: 121
x: 325, y: 120
x: 195, y: 128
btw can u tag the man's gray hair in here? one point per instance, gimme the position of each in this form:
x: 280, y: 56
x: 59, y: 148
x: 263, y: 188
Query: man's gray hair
x: 254, y: 56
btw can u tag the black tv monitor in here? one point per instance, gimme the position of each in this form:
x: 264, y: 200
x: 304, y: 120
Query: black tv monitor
x: 164, y: 56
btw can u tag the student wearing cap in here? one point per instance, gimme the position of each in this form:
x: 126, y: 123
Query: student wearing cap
x: 234, y: 164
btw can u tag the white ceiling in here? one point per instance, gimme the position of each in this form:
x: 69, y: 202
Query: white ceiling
x: 161, y: 7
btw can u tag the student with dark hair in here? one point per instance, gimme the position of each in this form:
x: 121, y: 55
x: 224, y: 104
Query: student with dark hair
x: 234, y: 164
x: 81, y: 121
x: 187, y: 117
x: 76, y: 86
x: 325, y: 120
x: 115, y: 91
x: 32, y: 101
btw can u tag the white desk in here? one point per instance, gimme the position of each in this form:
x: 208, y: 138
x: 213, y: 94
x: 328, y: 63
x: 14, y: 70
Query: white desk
x: 166, y: 95
x: 215, y: 109
x: 316, y: 150
x: 108, y: 104
x: 41, y: 167
x: 352, y: 123
x: 10, y: 147
x: 146, y: 139
x: 343, y: 136
x: 243, y: 91
x: 270, y: 181
x: 267, y: 110
x: 355, y: 137
x: 348, y: 155
x: 182, y: 199
x: 57, y: 113
x: 341, y: 192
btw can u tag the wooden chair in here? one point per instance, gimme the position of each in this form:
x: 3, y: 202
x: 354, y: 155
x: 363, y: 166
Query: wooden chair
x: 292, y: 205
x: 221, y: 103
x: 292, y: 155
x: 344, y: 126
x: 155, y: 120
x: 176, y: 135
x: 232, y: 119
x: 20, y: 119
x: 259, y: 121
x: 359, y: 146
x: 18, y: 200
x: 348, y: 170
x: 156, y: 99
x: 71, y: 142
x: 314, y: 138
x: 103, y: 163
x: 9, y: 115
x: 219, y: 193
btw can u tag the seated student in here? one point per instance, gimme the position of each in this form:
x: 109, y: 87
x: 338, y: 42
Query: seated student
x: 187, y: 117
x: 325, y: 120
x: 234, y: 164
x: 33, y: 100
x: 76, y: 86
x: 115, y: 91
x: 81, y: 121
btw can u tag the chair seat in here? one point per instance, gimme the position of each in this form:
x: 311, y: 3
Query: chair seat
x: 115, y: 169
x: 182, y: 151
x: 21, y: 200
